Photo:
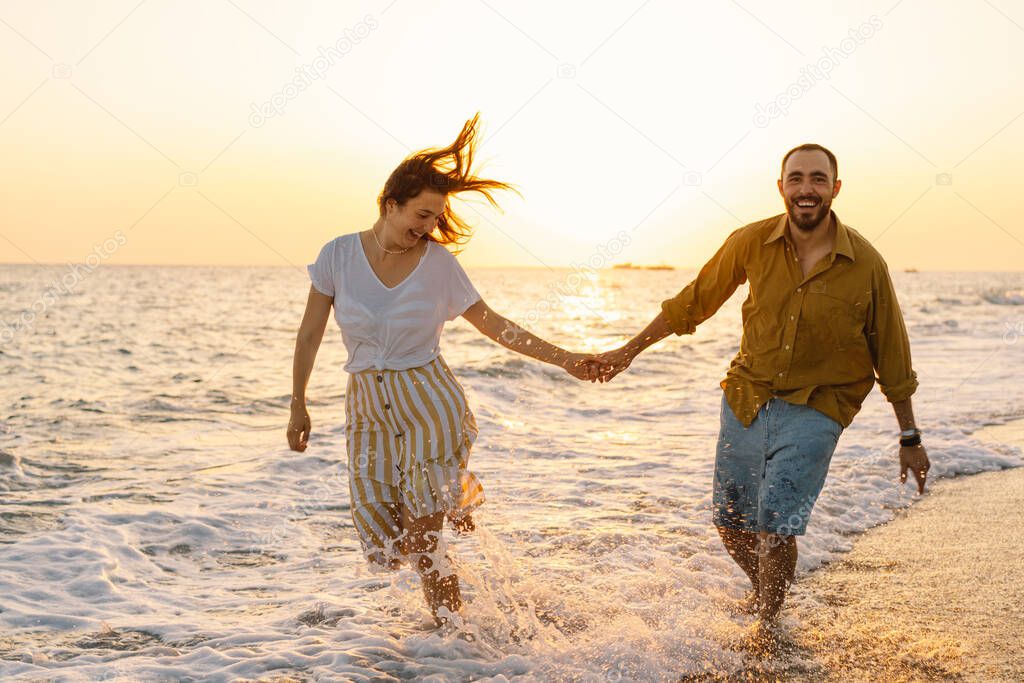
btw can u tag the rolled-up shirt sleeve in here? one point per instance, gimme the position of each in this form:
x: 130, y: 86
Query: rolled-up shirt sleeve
x: 888, y: 340
x: 712, y: 287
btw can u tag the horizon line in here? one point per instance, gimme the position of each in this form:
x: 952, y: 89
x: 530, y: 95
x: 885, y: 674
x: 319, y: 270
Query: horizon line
x: 635, y: 266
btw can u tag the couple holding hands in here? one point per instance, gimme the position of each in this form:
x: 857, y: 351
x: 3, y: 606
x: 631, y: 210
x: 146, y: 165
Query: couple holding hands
x: 821, y: 323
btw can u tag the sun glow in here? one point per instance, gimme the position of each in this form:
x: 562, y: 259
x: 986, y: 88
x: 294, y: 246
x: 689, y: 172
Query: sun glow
x: 274, y: 129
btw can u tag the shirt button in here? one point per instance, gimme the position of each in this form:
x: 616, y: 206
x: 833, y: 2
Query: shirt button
x: 780, y: 374
x: 799, y: 289
x: 387, y: 406
x: 380, y: 378
x: 792, y: 317
x: 787, y: 347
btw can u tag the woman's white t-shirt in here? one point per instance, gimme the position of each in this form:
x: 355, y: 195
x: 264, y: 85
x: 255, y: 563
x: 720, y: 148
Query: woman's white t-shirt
x: 391, y: 328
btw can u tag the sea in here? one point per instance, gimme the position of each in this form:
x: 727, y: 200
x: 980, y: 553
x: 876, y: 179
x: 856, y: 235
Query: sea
x: 155, y: 526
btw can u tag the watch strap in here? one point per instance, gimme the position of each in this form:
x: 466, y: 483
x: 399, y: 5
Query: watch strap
x: 914, y: 439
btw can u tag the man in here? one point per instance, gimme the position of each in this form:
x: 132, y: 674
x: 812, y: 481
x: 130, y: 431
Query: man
x: 820, y: 321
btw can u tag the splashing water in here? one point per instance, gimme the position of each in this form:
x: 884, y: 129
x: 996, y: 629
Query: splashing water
x: 155, y: 526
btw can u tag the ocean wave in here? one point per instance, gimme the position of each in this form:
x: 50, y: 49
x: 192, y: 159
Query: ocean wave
x: 1012, y: 297
x: 594, y: 557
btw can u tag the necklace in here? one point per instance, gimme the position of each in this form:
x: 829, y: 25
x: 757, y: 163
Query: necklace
x: 387, y: 251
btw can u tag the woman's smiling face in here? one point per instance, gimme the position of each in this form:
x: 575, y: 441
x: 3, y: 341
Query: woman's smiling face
x: 408, y: 223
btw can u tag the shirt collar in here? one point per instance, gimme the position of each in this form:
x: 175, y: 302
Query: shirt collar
x: 843, y: 244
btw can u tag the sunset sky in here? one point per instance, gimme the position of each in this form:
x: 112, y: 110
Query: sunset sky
x: 666, y: 120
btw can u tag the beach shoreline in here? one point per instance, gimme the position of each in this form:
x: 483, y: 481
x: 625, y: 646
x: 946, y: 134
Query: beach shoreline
x: 934, y: 594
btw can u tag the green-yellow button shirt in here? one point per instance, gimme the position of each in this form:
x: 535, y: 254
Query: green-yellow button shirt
x: 817, y: 340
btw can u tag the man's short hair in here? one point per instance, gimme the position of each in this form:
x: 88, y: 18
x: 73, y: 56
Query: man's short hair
x: 812, y: 147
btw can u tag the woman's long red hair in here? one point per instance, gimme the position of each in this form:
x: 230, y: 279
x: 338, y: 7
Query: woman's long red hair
x: 448, y: 170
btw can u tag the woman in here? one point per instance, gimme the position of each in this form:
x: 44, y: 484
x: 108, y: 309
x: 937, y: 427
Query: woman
x: 408, y: 429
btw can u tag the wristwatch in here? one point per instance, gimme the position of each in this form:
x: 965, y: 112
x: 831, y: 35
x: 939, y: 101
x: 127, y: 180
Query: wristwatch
x: 910, y: 437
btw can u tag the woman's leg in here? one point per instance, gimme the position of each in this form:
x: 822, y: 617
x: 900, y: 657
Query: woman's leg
x: 463, y: 524
x: 379, y: 524
x: 422, y: 548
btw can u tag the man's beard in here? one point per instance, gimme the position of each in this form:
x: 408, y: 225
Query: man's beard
x: 810, y: 221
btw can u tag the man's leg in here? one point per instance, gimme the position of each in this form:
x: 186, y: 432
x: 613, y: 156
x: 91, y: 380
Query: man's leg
x: 797, y: 463
x: 739, y: 461
x: 776, y: 564
x: 742, y: 547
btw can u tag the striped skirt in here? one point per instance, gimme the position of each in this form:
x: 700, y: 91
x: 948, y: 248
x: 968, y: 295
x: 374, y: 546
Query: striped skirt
x: 408, y: 435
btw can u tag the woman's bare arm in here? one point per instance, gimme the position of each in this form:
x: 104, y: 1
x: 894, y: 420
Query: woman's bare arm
x: 307, y: 343
x: 513, y: 337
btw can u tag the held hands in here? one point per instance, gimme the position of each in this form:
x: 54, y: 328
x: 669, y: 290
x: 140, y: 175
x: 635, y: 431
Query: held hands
x: 582, y: 366
x: 613, y: 362
x: 598, y: 367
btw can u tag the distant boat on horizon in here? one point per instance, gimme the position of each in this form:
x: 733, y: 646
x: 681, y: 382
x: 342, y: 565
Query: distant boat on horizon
x: 910, y: 270
x: 630, y: 266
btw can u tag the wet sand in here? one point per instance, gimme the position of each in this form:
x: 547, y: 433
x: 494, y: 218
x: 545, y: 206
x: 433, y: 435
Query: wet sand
x: 935, y: 594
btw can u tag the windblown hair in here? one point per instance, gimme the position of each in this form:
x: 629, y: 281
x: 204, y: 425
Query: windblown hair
x: 448, y: 170
x: 812, y: 147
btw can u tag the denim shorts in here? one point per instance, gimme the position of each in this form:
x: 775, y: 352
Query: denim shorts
x: 768, y: 475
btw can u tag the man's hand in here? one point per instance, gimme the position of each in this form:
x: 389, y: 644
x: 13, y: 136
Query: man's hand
x: 583, y: 366
x: 614, y: 362
x: 915, y: 459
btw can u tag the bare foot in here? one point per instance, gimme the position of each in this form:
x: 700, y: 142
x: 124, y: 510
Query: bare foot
x: 749, y: 604
x: 447, y: 620
x: 765, y: 640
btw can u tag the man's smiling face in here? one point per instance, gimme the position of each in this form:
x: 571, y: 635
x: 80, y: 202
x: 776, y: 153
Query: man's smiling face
x: 807, y: 187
